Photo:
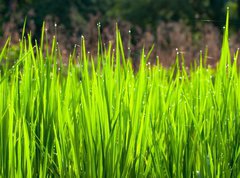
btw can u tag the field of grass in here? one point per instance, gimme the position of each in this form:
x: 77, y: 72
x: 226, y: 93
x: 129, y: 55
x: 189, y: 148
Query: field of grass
x: 100, y: 118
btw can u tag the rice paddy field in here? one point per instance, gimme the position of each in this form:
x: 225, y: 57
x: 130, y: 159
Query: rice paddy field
x: 98, y: 117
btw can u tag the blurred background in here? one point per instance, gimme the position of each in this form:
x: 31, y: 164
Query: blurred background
x: 186, y: 25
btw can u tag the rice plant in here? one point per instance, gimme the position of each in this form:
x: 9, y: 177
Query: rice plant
x: 97, y: 117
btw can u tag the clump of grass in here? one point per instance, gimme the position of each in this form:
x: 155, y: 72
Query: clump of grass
x: 105, y: 120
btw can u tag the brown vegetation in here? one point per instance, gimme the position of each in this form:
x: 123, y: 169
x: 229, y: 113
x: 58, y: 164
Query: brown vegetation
x: 167, y: 38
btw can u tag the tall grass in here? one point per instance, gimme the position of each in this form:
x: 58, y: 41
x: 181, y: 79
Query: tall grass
x: 102, y: 119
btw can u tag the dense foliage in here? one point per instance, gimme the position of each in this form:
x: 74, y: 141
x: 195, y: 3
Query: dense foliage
x: 140, y: 12
x: 97, y: 117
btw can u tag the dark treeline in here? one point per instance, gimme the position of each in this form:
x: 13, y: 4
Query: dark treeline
x: 139, y: 12
x: 167, y: 23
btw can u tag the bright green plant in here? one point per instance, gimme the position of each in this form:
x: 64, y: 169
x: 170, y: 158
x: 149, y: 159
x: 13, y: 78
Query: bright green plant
x: 103, y: 119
